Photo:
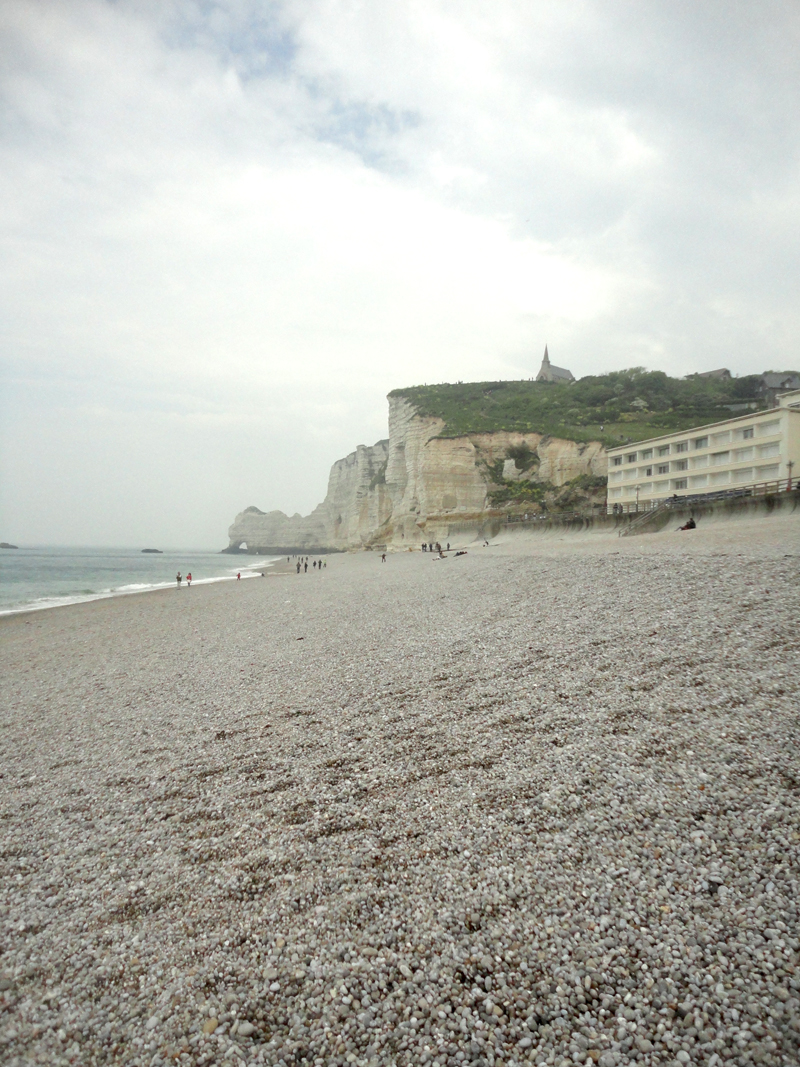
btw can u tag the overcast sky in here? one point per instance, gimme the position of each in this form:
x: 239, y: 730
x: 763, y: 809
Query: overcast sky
x: 230, y: 228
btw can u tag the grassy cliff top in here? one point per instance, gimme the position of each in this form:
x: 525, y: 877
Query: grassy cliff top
x: 613, y: 408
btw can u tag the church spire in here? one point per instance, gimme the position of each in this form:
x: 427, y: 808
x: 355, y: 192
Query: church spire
x: 549, y: 373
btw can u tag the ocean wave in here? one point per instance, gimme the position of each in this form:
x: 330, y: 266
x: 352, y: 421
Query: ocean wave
x: 87, y: 595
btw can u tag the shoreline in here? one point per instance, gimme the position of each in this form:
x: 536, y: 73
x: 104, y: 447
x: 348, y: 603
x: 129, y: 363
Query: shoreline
x: 771, y: 532
x: 501, y: 809
x: 134, y: 589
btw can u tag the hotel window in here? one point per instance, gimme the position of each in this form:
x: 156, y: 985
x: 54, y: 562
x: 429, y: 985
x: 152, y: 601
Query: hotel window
x: 701, y: 442
x: 765, y: 429
x: 617, y: 461
x: 648, y: 472
x: 663, y: 450
x: 681, y: 464
x: 720, y: 457
x: 631, y: 458
x: 742, y: 454
x: 679, y: 483
x: 769, y: 450
x: 647, y: 453
x: 682, y: 446
x: 747, y: 433
x: 663, y: 469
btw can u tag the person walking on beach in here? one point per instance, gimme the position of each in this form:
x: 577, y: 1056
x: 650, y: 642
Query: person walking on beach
x: 189, y: 579
x: 178, y: 579
x: 383, y: 558
x: 305, y: 567
x: 298, y: 566
x: 239, y: 576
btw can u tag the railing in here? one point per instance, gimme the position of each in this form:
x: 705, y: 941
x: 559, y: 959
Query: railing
x: 644, y: 517
x: 596, y: 510
x: 781, y: 485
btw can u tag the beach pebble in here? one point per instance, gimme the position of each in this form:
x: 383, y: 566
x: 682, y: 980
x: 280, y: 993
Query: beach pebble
x: 542, y: 809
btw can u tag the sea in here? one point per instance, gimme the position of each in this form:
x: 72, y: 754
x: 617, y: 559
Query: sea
x: 36, y: 577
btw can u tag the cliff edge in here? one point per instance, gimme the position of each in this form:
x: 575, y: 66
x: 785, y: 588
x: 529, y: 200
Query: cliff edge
x: 420, y: 484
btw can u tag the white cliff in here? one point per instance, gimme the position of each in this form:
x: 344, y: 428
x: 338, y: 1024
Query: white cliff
x: 415, y: 485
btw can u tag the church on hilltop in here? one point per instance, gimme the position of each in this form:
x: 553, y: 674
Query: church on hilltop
x: 549, y: 373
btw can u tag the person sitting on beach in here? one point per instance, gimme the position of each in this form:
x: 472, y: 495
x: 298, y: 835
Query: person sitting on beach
x: 178, y: 579
x: 690, y: 525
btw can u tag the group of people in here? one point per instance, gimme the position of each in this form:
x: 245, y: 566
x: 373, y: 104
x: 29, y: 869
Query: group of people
x: 434, y: 546
x: 179, y: 579
x: 302, y: 564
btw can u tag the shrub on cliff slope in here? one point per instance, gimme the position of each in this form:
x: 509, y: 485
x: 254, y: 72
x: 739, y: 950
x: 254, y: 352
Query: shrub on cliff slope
x: 624, y: 405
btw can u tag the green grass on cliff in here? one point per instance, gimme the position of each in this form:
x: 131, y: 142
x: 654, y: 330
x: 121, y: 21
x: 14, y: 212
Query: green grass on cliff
x: 629, y: 405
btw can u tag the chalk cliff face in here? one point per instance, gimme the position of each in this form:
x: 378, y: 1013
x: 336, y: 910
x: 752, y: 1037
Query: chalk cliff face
x: 413, y: 486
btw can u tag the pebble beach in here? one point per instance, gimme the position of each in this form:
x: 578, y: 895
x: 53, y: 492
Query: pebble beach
x: 537, y: 804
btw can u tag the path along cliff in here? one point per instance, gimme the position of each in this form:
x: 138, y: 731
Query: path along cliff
x: 419, y: 485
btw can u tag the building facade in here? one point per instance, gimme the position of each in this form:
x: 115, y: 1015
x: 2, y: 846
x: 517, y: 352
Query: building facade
x: 762, y: 446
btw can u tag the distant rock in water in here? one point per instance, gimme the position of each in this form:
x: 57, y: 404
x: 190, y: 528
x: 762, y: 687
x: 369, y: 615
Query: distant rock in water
x: 5, y: 544
x: 153, y: 551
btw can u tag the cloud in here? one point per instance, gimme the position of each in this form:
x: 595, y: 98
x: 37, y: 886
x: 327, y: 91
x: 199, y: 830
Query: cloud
x: 230, y: 228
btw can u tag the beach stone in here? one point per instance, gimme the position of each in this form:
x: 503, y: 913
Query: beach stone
x: 339, y: 851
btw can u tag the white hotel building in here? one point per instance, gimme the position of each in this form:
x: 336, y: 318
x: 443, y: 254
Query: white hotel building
x: 763, y: 446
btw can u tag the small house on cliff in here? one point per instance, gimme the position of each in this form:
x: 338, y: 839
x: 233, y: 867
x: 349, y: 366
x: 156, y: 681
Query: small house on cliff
x: 549, y: 373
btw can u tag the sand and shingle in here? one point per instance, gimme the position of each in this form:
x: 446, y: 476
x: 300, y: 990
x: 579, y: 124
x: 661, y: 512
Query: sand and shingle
x: 539, y: 804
